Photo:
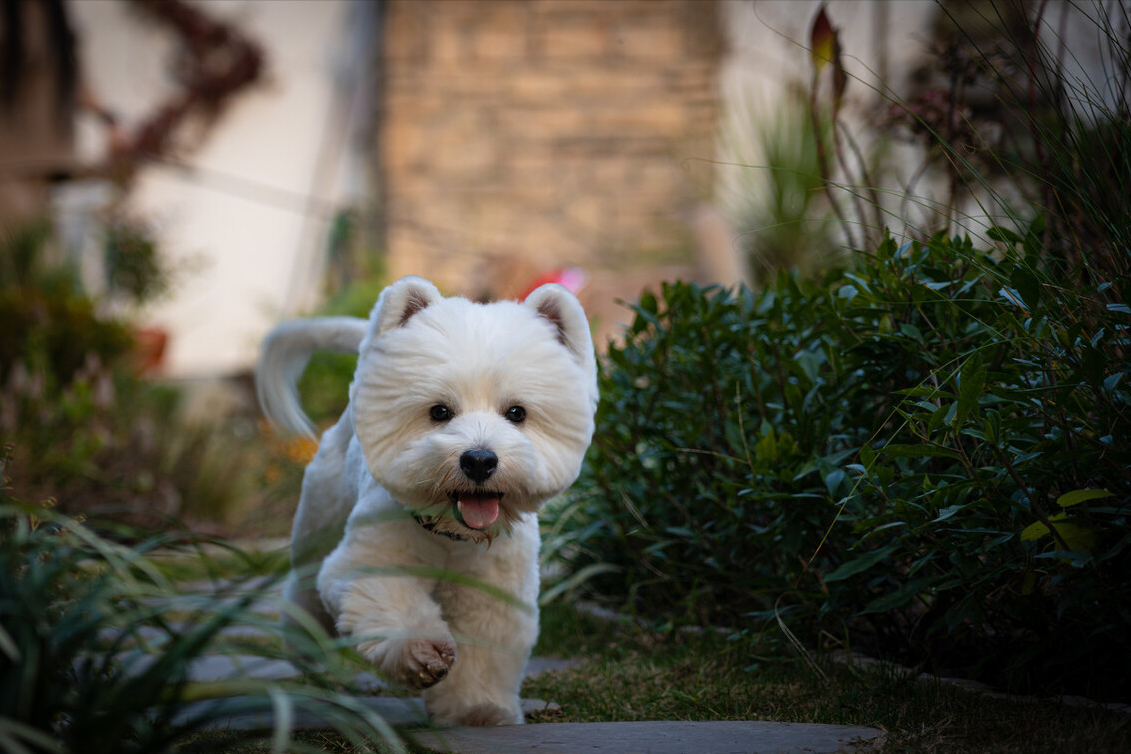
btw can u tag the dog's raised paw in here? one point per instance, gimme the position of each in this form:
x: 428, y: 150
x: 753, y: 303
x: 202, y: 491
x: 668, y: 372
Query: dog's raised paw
x: 414, y: 663
x: 431, y: 659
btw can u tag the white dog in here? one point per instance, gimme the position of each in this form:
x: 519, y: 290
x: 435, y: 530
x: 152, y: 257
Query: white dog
x: 463, y: 419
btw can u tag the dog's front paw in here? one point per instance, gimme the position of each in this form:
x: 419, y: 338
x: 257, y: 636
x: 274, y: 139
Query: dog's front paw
x: 415, y: 663
x: 427, y: 661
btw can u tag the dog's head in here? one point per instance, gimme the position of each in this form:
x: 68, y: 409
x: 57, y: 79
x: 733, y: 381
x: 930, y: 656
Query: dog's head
x: 471, y: 414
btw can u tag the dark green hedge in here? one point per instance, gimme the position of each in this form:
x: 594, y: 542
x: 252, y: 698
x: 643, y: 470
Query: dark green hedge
x: 925, y: 455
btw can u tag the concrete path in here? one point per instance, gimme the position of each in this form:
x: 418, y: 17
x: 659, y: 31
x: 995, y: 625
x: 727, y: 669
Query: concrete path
x: 661, y: 737
x: 407, y: 715
x: 399, y: 712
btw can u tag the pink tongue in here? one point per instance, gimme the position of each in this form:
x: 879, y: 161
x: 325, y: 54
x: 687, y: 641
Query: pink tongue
x: 479, y: 512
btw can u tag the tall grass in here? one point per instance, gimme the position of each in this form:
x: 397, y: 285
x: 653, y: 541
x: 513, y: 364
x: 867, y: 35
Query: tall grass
x: 1024, y: 116
x: 97, y: 646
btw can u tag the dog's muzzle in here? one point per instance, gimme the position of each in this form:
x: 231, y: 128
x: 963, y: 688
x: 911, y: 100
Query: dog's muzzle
x: 478, y: 508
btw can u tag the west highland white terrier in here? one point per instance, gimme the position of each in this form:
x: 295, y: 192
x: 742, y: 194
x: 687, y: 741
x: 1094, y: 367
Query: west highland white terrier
x: 463, y: 419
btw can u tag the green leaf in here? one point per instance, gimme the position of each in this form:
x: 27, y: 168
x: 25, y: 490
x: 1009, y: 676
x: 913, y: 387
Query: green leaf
x: 575, y: 580
x: 947, y: 512
x: 920, y: 451
x: 1093, y: 362
x: 1012, y: 296
x: 972, y: 380
x: 899, y: 597
x: 1078, y: 537
x: 1034, y: 531
x: 939, y: 415
x: 8, y: 646
x: 1004, y: 235
x: 1027, y: 285
x: 859, y: 565
x: 1075, y: 497
x: 1075, y: 535
x: 833, y: 480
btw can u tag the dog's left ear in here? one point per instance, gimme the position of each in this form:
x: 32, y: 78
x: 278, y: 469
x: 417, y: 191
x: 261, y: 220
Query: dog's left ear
x: 398, y: 302
x: 560, y: 308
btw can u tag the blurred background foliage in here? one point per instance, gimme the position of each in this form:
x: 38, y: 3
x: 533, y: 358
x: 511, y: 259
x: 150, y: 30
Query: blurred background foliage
x: 917, y: 447
x: 85, y: 425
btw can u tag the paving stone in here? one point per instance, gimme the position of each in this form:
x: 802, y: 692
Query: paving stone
x: 208, y: 668
x: 663, y: 737
x: 660, y: 737
x: 396, y: 711
x: 222, y: 667
x: 228, y: 667
x: 157, y: 636
x: 212, y: 668
x: 225, y: 667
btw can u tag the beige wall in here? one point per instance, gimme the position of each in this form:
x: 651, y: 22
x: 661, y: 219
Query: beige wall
x: 244, y: 205
x: 523, y: 135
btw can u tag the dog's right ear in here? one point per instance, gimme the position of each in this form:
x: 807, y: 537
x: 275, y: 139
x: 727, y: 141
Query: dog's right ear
x: 399, y: 302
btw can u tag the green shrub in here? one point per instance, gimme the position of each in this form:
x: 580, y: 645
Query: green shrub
x: 926, y: 453
x: 96, y: 645
x: 134, y: 266
x: 897, y: 455
x: 86, y: 428
x: 105, y: 440
x: 324, y: 385
x: 56, y: 332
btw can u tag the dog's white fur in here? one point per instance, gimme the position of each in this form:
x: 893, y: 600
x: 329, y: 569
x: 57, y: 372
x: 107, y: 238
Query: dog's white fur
x: 380, y: 571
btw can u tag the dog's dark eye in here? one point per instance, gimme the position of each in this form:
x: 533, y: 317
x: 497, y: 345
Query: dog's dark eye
x: 516, y: 414
x: 440, y: 413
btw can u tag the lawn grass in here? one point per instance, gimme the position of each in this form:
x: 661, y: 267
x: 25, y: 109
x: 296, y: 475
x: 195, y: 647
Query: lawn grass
x: 629, y: 673
x: 633, y: 674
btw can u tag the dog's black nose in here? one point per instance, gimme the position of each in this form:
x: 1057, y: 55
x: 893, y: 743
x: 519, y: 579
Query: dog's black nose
x: 478, y: 465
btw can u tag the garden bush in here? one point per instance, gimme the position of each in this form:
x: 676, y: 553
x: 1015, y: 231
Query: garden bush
x: 925, y: 454
x: 97, y: 642
x: 86, y: 428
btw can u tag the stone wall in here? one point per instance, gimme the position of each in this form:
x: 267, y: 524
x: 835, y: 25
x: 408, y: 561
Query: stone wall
x: 523, y: 135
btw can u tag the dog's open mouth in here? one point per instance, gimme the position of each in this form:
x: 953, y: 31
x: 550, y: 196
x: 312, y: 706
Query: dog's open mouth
x: 475, y: 510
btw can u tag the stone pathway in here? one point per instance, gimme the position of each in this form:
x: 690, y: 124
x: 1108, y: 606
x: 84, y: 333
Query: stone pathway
x: 407, y: 714
x: 397, y: 711
x: 661, y: 737
x: 658, y: 737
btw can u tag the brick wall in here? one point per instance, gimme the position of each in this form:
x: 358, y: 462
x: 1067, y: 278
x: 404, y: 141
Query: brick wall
x: 520, y: 135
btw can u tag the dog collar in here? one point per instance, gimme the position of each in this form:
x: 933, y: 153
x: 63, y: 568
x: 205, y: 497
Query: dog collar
x: 429, y: 525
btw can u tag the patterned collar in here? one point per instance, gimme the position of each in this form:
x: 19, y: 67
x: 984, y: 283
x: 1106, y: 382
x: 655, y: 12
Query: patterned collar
x: 429, y: 525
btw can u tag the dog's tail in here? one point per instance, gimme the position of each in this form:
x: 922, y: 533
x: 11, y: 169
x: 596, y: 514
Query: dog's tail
x: 286, y: 351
